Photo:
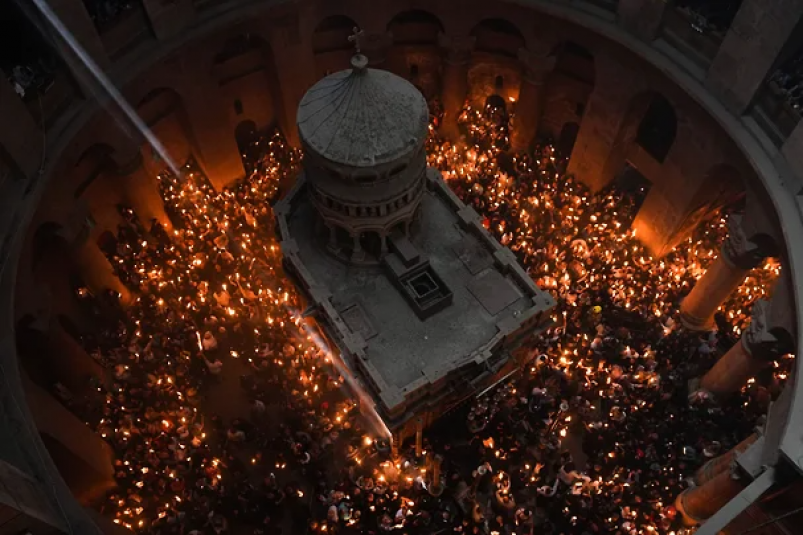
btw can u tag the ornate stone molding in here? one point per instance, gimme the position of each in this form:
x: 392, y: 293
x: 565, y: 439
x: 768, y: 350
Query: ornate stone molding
x: 737, y: 249
x: 458, y: 47
x: 538, y: 64
x: 757, y: 340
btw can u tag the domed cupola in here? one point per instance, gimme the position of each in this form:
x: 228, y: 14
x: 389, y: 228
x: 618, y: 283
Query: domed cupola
x: 363, y: 133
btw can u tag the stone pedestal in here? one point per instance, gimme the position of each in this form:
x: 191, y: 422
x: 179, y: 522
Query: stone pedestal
x: 455, y: 79
x: 698, y: 504
x: 720, y: 464
x: 754, y: 352
x: 737, y: 257
x: 537, y: 67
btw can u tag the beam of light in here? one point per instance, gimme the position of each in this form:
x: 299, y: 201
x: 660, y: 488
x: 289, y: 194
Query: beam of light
x: 105, y: 83
x: 366, y: 403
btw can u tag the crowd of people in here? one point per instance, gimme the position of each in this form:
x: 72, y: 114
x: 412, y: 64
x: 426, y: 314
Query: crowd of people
x: 789, y: 82
x: 104, y: 13
x: 596, y: 435
x: 710, y: 16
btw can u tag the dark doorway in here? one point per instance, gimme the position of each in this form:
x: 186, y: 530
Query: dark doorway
x: 496, y: 102
x: 634, y: 185
x: 657, y: 130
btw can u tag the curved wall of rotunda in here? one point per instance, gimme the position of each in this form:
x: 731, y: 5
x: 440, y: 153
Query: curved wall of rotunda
x: 205, y: 76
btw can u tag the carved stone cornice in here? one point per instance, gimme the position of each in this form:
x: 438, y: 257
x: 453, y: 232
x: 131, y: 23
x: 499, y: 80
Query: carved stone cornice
x: 757, y: 340
x: 538, y: 64
x: 458, y: 47
x: 737, y: 249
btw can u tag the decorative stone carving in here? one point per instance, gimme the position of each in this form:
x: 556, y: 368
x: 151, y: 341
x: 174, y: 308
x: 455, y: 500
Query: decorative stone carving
x: 757, y: 339
x: 537, y: 64
x: 458, y: 47
x: 737, y: 248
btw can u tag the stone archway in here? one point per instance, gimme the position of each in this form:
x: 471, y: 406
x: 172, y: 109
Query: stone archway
x: 415, y: 54
x: 495, y: 56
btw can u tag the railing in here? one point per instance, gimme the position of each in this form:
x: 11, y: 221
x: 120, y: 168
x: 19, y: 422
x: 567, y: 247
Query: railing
x: 684, y: 33
x: 774, y: 113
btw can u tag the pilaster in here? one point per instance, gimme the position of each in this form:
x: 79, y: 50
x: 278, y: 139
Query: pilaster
x: 295, y: 70
x: 457, y: 50
x: 538, y: 65
x: 217, y: 148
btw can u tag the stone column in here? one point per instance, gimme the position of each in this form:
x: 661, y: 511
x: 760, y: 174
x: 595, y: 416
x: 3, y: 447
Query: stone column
x: 435, y: 486
x: 70, y: 362
x: 722, y: 463
x: 24, y: 142
x: 740, y: 66
x: 537, y: 67
x: 419, y: 437
x: 217, y: 149
x: 142, y: 192
x: 455, y: 79
x: 295, y: 71
x: 97, y: 270
x: 383, y: 244
x: 357, y: 255
x: 596, y: 158
x: 169, y: 18
x: 698, y: 504
x: 333, y: 246
x: 642, y: 18
x: 737, y: 257
x: 755, y: 351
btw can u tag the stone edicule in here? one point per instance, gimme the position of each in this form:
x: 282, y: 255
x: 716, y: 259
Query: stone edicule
x: 439, y: 319
x: 363, y: 133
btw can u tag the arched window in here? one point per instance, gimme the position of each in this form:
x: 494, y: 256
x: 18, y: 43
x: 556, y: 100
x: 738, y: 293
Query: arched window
x: 657, y: 130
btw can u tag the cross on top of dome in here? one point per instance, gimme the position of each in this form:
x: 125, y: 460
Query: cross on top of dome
x: 356, y: 37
